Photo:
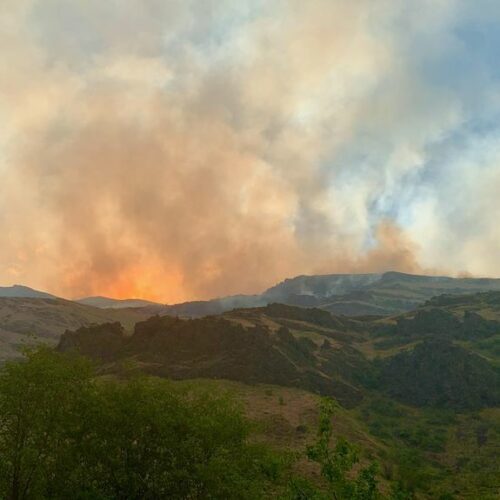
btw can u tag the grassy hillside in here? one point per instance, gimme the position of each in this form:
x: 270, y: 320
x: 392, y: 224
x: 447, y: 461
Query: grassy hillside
x: 471, y: 321
x: 25, y: 321
x: 435, y: 452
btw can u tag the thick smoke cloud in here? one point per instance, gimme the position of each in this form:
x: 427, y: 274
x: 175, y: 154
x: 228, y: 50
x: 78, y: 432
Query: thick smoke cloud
x: 178, y: 150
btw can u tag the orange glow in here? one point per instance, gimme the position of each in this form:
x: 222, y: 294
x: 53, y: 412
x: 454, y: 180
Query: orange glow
x: 146, y: 283
x: 140, y: 282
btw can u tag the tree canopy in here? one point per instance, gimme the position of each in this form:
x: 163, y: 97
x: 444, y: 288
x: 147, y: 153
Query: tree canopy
x: 66, y: 434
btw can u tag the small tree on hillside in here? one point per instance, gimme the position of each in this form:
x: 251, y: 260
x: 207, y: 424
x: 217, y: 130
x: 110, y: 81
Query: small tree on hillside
x: 336, y: 463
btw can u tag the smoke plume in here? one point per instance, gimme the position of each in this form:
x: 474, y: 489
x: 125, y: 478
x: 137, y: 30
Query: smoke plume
x: 179, y: 150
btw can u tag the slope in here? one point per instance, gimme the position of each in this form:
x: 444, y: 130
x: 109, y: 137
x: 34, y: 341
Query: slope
x: 25, y: 321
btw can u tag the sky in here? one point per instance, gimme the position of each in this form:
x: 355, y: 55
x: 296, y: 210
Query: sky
x: 187, y: 149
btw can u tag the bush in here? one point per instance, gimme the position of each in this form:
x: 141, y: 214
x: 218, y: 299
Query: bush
x: 66, y: 434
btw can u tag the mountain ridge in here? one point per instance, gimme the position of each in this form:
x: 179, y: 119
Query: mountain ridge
x: 350, y: 294
x: 23, y: 291
x: 381, y: 294
x: 111, y: 303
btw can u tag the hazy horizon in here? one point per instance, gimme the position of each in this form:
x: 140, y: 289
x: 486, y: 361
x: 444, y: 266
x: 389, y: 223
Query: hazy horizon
x: 132, y: 298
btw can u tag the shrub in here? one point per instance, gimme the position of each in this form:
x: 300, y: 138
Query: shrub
x: 66, y: 434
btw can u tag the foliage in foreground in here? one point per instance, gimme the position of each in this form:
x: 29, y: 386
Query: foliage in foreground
x: 65, y: 433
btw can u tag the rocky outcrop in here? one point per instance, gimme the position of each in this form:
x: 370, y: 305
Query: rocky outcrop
x: 214, y: 347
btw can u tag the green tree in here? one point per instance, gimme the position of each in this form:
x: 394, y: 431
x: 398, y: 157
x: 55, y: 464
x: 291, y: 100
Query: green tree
x: 336, y: 463
x: 65, y: 433
x: 148, y: 439
x: 40, y: 402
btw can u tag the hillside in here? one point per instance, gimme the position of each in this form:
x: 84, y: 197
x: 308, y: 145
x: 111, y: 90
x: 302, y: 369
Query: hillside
x: 431, y: 451
x: 24, y: 321
x: 216, y: 347
x: 470, y: 321
x: 419, y: 391
x: 440, y: 374
x: 348, y: 294
x: 317, y: 351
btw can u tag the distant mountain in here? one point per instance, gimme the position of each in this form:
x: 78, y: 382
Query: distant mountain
x: 348, y: 294
x: 322, y: 286
x: 200, y: 308
x: 24, y: 291
x: 109, y: 303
